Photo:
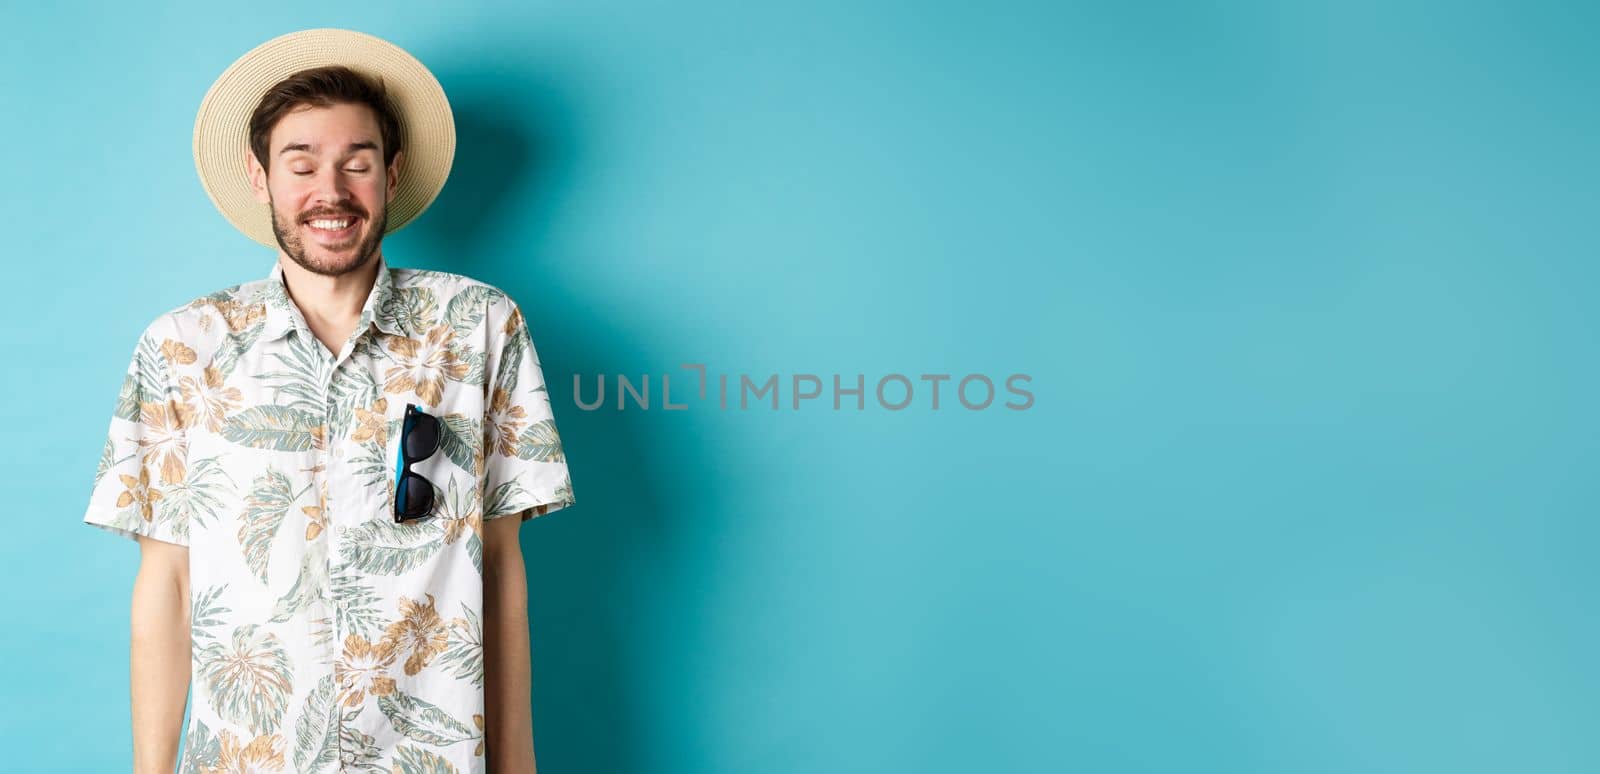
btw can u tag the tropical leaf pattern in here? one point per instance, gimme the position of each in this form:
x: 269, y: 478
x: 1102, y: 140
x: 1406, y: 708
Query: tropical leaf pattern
x: 249, y: 678
x: 540, y: 442
x: 317, y: 732
x: 325, y: 635
x: 207, y: 612
x: 274, y: 427
x: 416, y: 760
x: 381, y: 547
x: 201, y: 751
x: 464, y: 653
x: 196, y: 500
x: 271, y: 494
x: 423, y: 721
x: 309, y: 585
x: 459, y: 440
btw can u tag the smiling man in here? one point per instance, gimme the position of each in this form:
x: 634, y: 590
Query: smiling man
x: 331, y: 212
x: 325, y: 612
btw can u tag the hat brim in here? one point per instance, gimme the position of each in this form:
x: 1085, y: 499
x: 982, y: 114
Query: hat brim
x: 221, y: 127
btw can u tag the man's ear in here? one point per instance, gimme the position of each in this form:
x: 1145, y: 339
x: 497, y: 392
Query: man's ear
x: 394, y: 172
x: 258, y: 177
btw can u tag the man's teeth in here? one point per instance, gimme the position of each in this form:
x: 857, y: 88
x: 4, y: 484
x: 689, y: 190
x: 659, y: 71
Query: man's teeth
x: 332, y: 225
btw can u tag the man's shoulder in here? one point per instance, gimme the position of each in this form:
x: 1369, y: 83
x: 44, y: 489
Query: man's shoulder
x: 458, y: 301
x: 233, y: 309
x: 445, y: 285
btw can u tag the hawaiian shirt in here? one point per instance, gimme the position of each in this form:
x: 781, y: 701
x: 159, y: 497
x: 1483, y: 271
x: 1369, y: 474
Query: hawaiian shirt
x: 325, y: 635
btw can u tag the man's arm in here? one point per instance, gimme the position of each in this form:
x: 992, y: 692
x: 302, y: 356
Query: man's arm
x: 159, y: 654
x: 507, y: 661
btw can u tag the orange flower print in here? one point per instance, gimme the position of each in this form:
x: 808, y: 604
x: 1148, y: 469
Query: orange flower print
x: 263, y: 753
x: 237, y: 315
x: 164, y: 439
x: 458, y: 512
x: 455, y: 528
x: 420, y: 631
x: 363, y: 667
x: 139, y: 491
x: 210, y: 401
x: 477, y: 720
x: 372, y: 425
x: 513, y: 321
x: 423, y: 365
x: 177, y: 352
x: 502, y: 423
x: 317, y: 514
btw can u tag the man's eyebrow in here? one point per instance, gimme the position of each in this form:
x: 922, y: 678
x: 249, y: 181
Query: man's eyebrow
x: 355, y: 146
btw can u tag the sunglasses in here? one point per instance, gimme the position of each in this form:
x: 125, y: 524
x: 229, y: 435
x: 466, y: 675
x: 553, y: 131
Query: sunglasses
x: 419, y: 439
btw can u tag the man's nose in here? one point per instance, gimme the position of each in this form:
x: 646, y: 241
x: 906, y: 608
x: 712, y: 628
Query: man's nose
x: 330, y: 186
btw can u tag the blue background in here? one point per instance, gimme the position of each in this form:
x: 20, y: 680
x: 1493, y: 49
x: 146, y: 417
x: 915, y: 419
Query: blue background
x: 1306, y: 293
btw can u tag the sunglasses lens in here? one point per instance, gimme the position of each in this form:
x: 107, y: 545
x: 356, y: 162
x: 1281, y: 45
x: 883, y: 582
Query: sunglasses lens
x: 423, y: 439
x: 415, y: 495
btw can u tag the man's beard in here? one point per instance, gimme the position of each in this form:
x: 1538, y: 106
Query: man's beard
x: 288, y: 235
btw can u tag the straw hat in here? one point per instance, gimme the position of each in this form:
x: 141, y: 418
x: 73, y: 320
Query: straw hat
x: 221, y: 128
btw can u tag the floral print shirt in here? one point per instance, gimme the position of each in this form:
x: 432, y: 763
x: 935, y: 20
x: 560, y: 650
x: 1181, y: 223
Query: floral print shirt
x: 325, y: 636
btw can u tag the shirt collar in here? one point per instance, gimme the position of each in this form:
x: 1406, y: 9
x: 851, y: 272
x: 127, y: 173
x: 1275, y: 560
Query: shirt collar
x: 283, y: 316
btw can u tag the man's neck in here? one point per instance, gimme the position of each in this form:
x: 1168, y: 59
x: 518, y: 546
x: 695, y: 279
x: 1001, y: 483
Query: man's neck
x: 330, y: 304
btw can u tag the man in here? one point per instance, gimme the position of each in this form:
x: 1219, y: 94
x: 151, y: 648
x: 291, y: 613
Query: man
x: 326, y: 469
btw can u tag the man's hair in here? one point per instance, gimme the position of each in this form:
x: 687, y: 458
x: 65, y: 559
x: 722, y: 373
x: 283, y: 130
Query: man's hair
x: 324, y: 87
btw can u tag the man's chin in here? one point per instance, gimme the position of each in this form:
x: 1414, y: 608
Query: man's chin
x: 332, y: 262
x: 334, y: 259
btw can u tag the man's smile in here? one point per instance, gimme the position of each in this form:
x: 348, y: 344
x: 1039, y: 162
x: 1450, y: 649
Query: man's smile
x: 333, y: 230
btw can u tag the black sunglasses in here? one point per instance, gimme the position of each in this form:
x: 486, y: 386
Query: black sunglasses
x: 419, y: 439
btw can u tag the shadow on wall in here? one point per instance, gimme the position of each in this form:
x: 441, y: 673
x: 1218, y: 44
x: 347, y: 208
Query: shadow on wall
x: 516, y: 148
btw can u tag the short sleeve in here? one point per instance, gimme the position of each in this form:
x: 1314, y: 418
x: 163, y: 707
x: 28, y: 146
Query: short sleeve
x: 525, y: 466
x: 138, y: 484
